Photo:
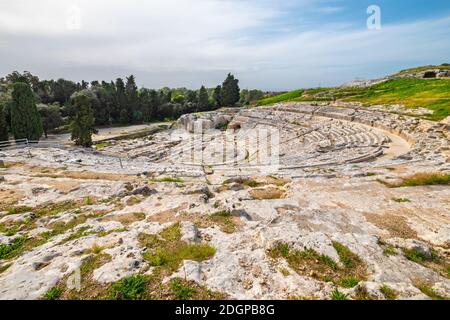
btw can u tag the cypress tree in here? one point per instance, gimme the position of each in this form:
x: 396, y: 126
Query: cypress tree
x: 25, y: 119
x: 82, y: 125
x: 203, y: 100
x: 121, y: 102
x: 230, y: 91
x: 131, y: 93
x: 3, y: 126
x: 217, y: 96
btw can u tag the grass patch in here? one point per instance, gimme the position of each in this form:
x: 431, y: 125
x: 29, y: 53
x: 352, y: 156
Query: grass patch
x: 130, y: 288
x: 96, y: 249
x: 388, y: 292
x: 389, y: 251
x: 5, y: 267
x: 428, y: 290
x: 348, y: 282
x: 17, y: 210
x: 168, y: 179
x: 54, y: 209
x: 10, y: 250
x: 224, y: 220
x: 180, y: 290
x: 102, y: 145
x: 142, y: 287
x: 53, y: 294
x: 432, y: 261
x: 321, y: 267
x: 425, y: 179
x: 420, y: 179
x: 416, y: 256
x: 89, y: 201
x: 12, y: 228
x: 338, y: 295
x: 167, y: 251
x: 81, y: 232
x: 401, y: 200
x: 90, y: 289
x: 44, y: 210
x: 280, y: 98
x: 347, y: 257
x: 20, y: 245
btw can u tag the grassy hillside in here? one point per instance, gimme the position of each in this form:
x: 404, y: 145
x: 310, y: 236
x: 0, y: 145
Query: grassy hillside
x: 433, y: 94
x: 289, y: 96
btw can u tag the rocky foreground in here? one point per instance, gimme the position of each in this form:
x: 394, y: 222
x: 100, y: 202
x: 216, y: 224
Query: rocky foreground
x: 339, y: 219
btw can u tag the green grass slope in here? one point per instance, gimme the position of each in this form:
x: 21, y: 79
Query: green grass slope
x: 433, y: 94
x: 289, y: 96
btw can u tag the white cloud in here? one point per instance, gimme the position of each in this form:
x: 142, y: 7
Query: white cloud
x: 330, y: 9
x: 179, y: 42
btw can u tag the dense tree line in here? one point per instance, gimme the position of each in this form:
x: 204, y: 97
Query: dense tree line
x: 30, y: 107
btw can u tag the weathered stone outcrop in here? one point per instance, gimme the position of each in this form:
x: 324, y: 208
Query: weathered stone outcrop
x: 203, y: 122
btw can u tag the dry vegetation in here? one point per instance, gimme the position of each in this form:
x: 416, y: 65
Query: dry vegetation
x: 420, y: 179
x: 321, y: 267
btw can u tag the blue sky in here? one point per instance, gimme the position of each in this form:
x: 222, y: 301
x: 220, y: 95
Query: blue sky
x: 271, y: 45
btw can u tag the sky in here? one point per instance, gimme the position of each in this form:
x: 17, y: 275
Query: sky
x: 269, y: 45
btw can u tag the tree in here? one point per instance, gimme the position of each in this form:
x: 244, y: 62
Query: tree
x: 82, y: 125
x: 203, y: 99
x: 149, y: 103
x: 25, y: 120
x: 5, y: 107
x: 230, y: 91
x: 63, y: 89
x: 3, y: 126
x: 179, y: 98
x: 132, y: 98
x: 84, y: 84
x: 121, y: 102
x: 166, y: 111
x: 26, y: 77
x: 249, y: 96
x: 191, y: 96
x: 102, y: 104
x: 51, y: 117
x: 217, y: 96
